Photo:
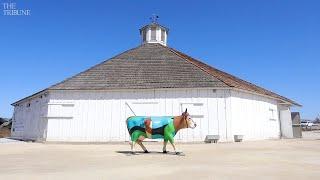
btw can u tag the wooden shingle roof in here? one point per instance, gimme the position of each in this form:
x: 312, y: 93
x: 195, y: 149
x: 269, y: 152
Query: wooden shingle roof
x: 152, y: 66
x: 148, y: 66
x: 233, y: 81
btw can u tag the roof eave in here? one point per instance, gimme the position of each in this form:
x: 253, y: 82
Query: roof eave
x: 155, y: 24
x: 281, y: 101
x: 290, y: 103
x: 29, y: 97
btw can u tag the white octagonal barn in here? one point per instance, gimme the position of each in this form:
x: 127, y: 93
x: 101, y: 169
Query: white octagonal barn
x: 151, y: 80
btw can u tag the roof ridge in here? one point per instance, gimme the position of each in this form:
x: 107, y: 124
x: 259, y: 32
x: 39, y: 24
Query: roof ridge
x: 178, y: 53
x: 187, y: 58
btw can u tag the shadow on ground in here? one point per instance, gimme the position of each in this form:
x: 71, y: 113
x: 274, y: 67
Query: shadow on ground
x: 129, y: 153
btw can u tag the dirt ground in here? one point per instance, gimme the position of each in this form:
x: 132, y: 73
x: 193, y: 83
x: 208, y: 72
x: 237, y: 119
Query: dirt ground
x: 268, y: 159
x: 5, y: 132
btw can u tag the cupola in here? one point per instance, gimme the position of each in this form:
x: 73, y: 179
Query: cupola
x: 154, y: 32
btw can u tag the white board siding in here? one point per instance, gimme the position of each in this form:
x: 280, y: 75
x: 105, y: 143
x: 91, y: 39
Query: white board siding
x: 29, y: 120
x: 251, y: 117
x: 100, y: 116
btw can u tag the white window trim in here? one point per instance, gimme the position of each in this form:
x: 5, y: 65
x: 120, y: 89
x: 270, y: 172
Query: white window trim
x: 272, y: 114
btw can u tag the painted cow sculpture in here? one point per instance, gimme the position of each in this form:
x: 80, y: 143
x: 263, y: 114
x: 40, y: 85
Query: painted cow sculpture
x: 157, y: 127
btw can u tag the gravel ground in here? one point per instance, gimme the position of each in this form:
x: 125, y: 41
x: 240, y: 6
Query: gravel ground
x: 311, y: 134
x: 269, y: 159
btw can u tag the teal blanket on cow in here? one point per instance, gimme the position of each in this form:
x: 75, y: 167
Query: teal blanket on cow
x: 151, y: 127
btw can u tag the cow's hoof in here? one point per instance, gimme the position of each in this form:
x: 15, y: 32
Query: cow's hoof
x: 165, y: 152
x: 146, y: 151
x: 178, y: 153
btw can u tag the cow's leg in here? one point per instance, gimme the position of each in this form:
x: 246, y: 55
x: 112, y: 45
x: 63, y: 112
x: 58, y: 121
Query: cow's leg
x: 133, y: 144
x: 141, y: 138
x: 135, y: 137
x: 164, y: 149
x: 143, y: 147
x: 174, y: 147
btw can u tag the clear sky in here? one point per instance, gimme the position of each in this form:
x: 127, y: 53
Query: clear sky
x: 272, y: 43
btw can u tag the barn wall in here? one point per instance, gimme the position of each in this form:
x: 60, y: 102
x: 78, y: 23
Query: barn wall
x: 100, y: 116
x: 29, y: 120
x: 255, y: 117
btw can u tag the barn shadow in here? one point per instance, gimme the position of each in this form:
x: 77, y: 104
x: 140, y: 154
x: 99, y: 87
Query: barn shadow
x: 129, y: 153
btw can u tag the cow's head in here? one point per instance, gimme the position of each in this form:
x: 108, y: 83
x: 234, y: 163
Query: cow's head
x: 187, y: 120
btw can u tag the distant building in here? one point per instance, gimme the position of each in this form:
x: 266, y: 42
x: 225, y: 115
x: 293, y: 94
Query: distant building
x: 151, y: 79
x: 307, y: 120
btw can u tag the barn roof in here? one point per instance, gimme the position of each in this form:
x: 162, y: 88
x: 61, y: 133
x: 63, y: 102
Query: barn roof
x: 152, y: 66
x: 147, y: 66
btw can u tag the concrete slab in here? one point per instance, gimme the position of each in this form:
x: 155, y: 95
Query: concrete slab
x: 271, y: 159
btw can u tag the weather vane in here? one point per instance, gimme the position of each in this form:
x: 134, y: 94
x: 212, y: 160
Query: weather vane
x: 154, y: 18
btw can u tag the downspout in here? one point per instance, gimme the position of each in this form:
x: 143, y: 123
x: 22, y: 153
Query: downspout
x: 279, y: 117
x: 225, y: 112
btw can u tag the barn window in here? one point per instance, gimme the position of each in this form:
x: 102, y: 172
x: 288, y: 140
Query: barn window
x: 140, y: 108
x: 60, y: 110
x: 28, y: 105
x: 153, y: 33
x: 195, y: 109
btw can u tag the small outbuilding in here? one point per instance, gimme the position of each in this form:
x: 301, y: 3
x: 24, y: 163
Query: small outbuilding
x: 151, y: 80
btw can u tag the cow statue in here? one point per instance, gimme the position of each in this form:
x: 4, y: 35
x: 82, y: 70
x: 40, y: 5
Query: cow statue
x: 157, y: 127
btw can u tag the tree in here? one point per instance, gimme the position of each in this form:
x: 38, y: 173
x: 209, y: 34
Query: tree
x: 317, y: 120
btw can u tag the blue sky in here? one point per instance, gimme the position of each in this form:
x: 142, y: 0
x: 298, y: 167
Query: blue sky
x: 274, y: 43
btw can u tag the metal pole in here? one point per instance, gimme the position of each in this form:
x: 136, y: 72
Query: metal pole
x: 131, y: 109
